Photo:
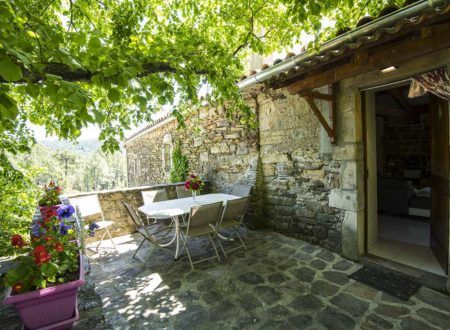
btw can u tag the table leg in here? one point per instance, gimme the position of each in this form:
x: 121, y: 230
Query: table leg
x: 177, y: 235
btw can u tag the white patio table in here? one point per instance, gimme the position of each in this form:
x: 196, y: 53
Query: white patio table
x: 175, y: 208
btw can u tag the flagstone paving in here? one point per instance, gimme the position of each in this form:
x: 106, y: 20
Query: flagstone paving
x: 278, y: 283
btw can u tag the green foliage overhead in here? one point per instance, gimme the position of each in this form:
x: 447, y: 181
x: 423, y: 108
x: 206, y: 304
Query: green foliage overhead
x: 180, y: 165
x: 67, y: 63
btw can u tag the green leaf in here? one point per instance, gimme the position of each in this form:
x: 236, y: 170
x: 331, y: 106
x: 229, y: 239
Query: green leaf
x: 49, y: 269
x: 32, y: 90
x: 114, y: 95
x: 8, y: 107
x: 10, y: 71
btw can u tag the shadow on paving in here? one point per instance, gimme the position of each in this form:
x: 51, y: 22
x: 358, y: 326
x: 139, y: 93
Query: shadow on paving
x: 278, y: 283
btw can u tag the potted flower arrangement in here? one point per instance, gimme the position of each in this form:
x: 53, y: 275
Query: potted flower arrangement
x: 194, y: 184
x: 48, y: 272
x: 50, y: 202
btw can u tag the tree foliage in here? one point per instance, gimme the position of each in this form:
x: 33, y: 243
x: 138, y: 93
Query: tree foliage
x: 67, y: 63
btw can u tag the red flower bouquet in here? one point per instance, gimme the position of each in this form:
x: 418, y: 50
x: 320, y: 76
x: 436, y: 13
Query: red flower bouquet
x: 193, y: 183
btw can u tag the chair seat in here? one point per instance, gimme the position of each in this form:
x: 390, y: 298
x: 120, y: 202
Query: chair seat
x: 101, y: 224
x: 229, y: 223
x: 197, y: 231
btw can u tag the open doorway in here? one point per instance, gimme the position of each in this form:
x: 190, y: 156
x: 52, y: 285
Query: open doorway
x: 407, y: 178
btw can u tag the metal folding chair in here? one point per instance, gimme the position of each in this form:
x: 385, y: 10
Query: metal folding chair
x: 89, y: 206
x: 147, y: 233
x: 202, y: 221
x: 182, y: 192
x: 232, y: 217
x: 240, y: 190
x: 153, y: 196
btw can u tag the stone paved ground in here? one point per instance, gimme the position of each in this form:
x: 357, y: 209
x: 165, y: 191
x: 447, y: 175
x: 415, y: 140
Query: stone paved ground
x: 278, y: 283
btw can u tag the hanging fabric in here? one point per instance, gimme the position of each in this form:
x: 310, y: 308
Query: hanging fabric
x: 436, y: 82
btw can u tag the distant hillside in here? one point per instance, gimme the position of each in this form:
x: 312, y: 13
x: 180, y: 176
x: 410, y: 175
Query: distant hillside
x: 88, y: 146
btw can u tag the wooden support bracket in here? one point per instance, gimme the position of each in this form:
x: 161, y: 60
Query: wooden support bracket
x: 310, y: 97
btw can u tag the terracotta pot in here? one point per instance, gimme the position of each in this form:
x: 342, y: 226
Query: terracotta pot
x: 50, y: 308
x: 49, y: 211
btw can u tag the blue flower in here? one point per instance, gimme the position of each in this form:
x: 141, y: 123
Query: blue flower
x: 63, y: 228
x: 91, y: 230
x: 65, y: 211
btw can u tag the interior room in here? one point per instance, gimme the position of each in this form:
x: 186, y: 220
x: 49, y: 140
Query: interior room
x: 404, y: 188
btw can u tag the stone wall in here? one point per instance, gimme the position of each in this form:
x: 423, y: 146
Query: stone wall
x: 144, y: 157
x: 297, y: 176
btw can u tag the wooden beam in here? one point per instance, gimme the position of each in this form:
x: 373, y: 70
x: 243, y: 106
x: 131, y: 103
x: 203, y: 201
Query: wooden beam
x: 317, y: 95
x: 432, y: 39
x: 322, y: 120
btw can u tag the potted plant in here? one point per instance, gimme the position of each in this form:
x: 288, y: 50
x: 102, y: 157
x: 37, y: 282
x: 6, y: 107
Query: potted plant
x: 193, y: 184
x: 47, y: 275
x: 49, y: 201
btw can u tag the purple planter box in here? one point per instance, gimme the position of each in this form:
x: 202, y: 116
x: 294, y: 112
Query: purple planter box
x: 48, y: 308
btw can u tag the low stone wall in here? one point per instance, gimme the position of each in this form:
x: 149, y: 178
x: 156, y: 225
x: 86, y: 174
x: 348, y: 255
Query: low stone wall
x: 113, y: 210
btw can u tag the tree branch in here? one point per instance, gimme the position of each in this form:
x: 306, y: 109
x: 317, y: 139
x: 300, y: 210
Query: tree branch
x: 67, y: 74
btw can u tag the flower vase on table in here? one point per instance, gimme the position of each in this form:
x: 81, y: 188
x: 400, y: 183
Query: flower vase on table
x: 193, y: 184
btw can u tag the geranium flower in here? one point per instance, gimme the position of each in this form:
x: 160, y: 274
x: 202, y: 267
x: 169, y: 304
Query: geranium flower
x: 65, y: 211
x: 41, y: 256
x: 17, y: 241
x: 59, y: 247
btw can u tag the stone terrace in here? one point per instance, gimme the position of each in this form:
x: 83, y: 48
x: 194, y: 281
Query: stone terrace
x: 278, y: 283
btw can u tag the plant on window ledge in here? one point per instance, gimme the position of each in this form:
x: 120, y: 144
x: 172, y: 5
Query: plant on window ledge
x: 180, y: 166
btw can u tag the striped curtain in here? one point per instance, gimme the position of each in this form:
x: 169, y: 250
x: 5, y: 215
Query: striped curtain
x: 436, y: 82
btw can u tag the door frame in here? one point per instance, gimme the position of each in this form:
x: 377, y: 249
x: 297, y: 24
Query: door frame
x: 365, y: 97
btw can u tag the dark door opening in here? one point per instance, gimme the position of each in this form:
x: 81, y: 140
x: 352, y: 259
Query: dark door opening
x: 409, y: 183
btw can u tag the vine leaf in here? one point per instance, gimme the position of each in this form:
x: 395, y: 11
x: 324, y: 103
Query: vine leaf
x: 10, y: 71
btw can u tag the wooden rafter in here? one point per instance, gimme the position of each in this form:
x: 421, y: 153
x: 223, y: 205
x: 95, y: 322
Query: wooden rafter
x: 310, y: 97
x: 430, y: 40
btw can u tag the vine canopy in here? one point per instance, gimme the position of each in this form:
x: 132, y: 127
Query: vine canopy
x: 65, y: 64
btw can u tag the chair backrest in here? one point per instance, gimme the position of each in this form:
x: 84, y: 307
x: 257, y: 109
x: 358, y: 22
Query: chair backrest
x: 235, y: 209
x: 140, y: 226
x: 152, y: 196
x: 205, y: 216
x: 87, y: 205
x: 182, y: 192
x: 133, y: 214
x: 241, y: 190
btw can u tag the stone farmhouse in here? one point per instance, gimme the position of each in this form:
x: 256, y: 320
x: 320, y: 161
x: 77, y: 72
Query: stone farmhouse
x: 351, y: 147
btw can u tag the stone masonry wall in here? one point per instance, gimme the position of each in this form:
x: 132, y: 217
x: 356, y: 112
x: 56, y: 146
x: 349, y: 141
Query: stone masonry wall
x: 144, y: 157
x: 297, y: 177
